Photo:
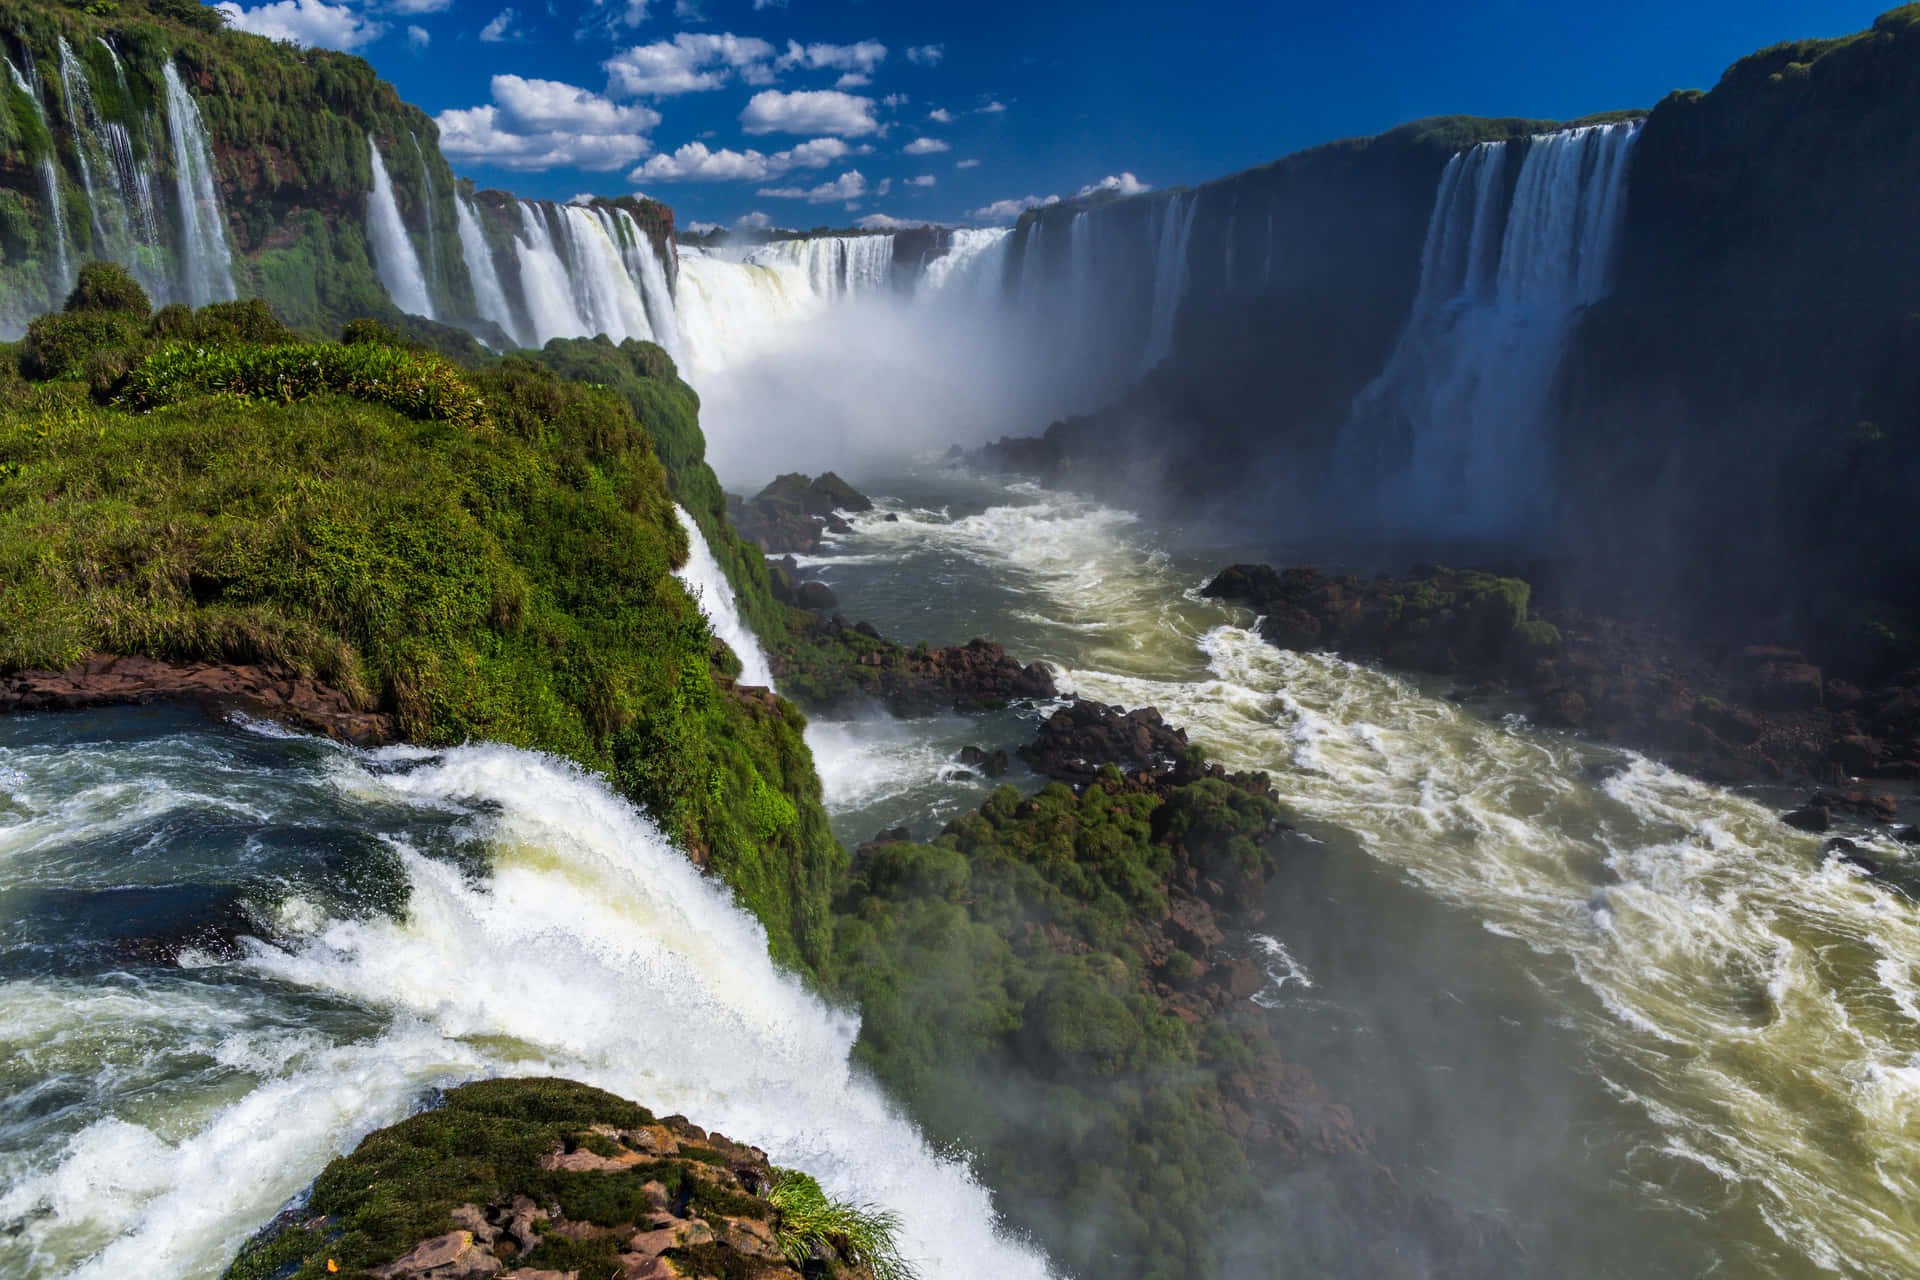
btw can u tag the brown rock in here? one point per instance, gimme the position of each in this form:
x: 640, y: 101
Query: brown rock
x: 448, y: 1257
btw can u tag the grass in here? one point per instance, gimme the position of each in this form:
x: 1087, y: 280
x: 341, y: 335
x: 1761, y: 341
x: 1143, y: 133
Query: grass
x: 808, y: 1220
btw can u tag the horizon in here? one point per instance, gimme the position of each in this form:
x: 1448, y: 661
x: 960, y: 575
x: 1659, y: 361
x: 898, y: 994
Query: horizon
x: 768, y: 113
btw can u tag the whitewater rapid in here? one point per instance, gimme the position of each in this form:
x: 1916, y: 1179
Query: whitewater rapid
x: 1753, y: 1008
x: 496, y: 912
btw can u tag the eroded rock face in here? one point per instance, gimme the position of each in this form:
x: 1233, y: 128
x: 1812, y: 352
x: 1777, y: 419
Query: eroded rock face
x: 539, y: 1180
x: 271, y: 692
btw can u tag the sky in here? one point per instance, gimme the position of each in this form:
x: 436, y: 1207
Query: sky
x: 801, y: 113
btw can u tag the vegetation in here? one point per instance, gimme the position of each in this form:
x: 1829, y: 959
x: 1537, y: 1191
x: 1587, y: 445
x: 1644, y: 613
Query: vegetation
x: 808, y: 1222
x: 483, y: 554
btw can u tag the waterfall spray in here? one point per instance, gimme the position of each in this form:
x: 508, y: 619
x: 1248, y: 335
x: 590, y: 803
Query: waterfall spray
x: 393, y: 251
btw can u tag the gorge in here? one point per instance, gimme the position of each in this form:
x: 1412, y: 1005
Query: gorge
x: 393, y: 702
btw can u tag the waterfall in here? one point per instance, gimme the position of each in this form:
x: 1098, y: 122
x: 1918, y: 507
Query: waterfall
x: 50, y: 179
x: 707, y: 583
x: 393, y: 251
x: 1453, y: 425
x: 433, y: 201
x: 487, y: 293
x: 207, y: 269
x: 1169, y: 276
x: 645, y: 266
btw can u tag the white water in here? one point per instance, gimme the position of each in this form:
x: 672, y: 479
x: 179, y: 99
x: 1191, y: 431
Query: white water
x: 50, y: 181
x: 393, y: 253
x: 207, y: 262
x: 1754, y: 1008
x: 592, y: 949
x: 708, y: 584
x: 433, y: 202
x: 1453, y: 426
x: 487, y: 293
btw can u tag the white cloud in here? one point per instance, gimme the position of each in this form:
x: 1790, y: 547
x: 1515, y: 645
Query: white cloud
x: 1125, y: 184
x: 809, y: 111
x: 1008, y: 210
x: 860, y: 58
x: 924, y: 180
x: 967, y: 164
x: 417, y: 38
x: 940, y: 115
x: 924, y: 147
x: 991, y: 109
x: 691, y: 62
x: 544, y: 124
x: 926, y: 55
x: 848, y: 186
x: 696, y: 162
x: 501, y: 28
x: 306, y: 23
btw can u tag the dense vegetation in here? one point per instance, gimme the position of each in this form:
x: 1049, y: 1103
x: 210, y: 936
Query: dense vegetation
x: 483, y: 553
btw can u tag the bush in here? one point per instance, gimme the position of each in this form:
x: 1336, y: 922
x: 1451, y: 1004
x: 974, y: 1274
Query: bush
x: 106, y: 286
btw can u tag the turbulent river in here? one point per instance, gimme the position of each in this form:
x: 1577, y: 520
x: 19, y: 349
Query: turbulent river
x: 1631, y: 1014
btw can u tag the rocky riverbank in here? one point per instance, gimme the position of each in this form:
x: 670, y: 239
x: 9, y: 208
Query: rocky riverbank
x: 1732, y: 713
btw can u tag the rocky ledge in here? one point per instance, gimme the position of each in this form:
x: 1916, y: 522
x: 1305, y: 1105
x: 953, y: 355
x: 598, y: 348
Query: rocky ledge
x: 268, y: 691
x: 541, y: 1179
x: 795, y: 512
x: 1731, y: 714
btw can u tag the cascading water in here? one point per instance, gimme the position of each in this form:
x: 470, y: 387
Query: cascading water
x: 1453, y: 426
x: 707, y: 582
x: 433, y: 202
x: 436, y: 917
x: 393, y: 252
x: 487, y: 292
x: 50, y: 181
x: 206, y: 266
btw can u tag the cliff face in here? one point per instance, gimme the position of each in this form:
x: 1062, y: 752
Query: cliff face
x: 1761, y: 352
x: 90, y: 165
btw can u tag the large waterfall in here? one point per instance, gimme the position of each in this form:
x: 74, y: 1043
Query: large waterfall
x: 1452, y: 427
x: 393, y: 253
x: 206, y: 261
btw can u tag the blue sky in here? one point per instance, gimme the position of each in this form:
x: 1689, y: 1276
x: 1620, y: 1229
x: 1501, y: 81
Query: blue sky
x: 806, y: 112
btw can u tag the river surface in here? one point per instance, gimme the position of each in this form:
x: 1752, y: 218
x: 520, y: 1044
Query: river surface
x: 1630, y: 1013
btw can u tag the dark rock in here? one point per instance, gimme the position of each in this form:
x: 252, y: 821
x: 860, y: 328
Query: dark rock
x: 1815, y: 818
x: 817, y: 596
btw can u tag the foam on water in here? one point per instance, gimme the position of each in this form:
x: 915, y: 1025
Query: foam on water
x: 590, y: 947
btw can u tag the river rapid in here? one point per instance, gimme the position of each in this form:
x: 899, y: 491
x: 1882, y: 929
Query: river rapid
x: 1632, y: 1014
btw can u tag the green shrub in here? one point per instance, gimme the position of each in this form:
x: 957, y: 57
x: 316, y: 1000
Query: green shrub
x: 106, y: 286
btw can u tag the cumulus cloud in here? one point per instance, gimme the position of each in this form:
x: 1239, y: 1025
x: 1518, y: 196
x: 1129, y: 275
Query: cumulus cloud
x: 417, y: 38
x: 306, y: 23
x: 1125, y: 184
x: 1008, y: 210
x: 848, y: 186
x: 861, y: 58
x: 924, y: 180
x: 696, y: 162
x: 926, y: 55
x: 967, y: 164
x: 810, y: 111
x: 924, y: 147
x: 691, y: 62
x: 545, y: 124
x: 501, y: 28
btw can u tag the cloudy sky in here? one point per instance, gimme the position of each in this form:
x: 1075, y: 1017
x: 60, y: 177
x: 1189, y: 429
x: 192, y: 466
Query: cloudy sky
x: 807, y: 112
